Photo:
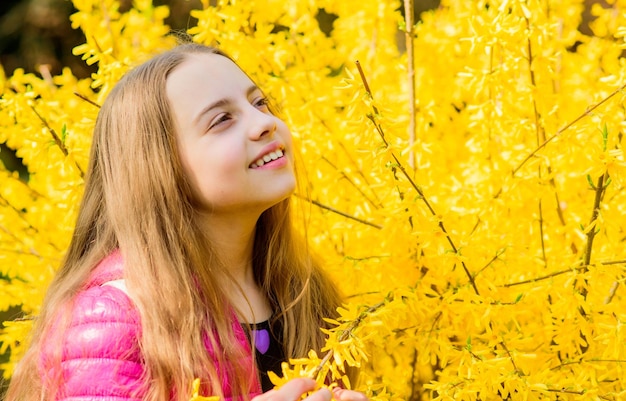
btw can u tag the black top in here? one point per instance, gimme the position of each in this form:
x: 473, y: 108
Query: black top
x: 269, y: 349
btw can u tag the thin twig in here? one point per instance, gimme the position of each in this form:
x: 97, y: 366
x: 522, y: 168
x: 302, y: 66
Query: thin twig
x: 540, y: 133
x: 506, y: 349
x: 354, y: 184
x: 580, y: 361
x: 346, y: 333
x: 558, y: 273
x: 22, y: 216
x: 57, y: 140
x: 344, y: 214
x: 422, y: 196
x: 599, y: 192
x: 560, y: 131
x: 83, y: 97
x: 408, y: 35
x: 612, y: 292
x: 541, y: 233
x: 533, y: 280
x: 614, y: 262
x: 591, y: 233
x: 357, y: 168
x: 495, y: 257
x: 568, y: 126
x: 23, y: 319
x: 414, y: 380
x: 553, y: 390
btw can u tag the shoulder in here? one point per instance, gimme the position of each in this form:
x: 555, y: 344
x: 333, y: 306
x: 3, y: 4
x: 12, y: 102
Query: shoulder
x: 102, y: 317
x: 95, y: 350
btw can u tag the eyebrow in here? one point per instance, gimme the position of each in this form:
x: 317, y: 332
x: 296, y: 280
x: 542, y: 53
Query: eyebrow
x: 221, y: 103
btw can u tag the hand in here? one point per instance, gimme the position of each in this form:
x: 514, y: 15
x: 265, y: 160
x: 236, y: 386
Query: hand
x: 293, y: 390
x: 340, y: 394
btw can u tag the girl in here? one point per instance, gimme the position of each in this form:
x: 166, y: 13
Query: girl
x: 183, y: 262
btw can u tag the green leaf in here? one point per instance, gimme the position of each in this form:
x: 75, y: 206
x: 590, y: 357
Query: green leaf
x: 605, y: 137
x: 63, y: 134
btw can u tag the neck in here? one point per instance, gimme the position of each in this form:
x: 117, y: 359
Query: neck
x: 232, y: 239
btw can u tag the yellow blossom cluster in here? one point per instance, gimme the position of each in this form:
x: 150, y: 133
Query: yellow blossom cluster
x: 482, y: 253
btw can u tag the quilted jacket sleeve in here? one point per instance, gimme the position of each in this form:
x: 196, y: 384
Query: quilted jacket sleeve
x: 99, y: 353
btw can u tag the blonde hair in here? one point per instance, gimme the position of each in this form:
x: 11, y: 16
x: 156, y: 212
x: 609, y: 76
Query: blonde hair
x: 137, y: 199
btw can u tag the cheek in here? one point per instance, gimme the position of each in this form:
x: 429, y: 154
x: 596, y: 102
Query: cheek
x: 286, y: 136
x: 213, y: 169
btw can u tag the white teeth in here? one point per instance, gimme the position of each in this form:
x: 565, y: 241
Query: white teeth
x: 277, y: 154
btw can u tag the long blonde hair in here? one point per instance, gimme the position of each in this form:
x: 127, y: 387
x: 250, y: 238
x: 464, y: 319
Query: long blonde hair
x: 138, y: 200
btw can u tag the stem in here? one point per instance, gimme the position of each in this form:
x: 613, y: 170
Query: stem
x: 506, y: 349
x: 346, y: 215
x: 543, y: 244
x: 57, y: 140
x: 558, y: 273
x: 600, y: 189
x: 354, y: 184
x: 414, y: 381
x: 560, y: 131
x: 360, y: 172
x: 587, y: 361
x: 22, y: 216
x: 408, y: 35
x: 612, y: 292
x: 422, y: 196
x: 357, y: 168
x: 83, y: 97
x: 541, y: 137
x: 533, y: 280
x: 614, y: 262
x: 495, y: 257
x: 346, y: 333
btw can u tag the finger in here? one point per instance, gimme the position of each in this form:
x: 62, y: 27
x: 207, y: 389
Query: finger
x: 265, y: 396
x: 291, y: 391
x: 322, y: 394
x: 294, y: 389
x: 348, y: 395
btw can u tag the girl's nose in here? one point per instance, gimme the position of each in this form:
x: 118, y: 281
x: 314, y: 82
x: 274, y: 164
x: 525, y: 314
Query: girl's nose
x: 262, y: 124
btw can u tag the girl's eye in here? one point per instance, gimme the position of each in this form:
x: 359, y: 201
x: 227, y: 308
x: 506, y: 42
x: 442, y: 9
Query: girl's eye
x: 262, y: 103
x: 221, y: 119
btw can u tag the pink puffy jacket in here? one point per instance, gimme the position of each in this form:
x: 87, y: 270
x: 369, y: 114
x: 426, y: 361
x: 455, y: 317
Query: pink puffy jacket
x: 100, y: 355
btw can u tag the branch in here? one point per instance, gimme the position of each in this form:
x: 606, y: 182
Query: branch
x: 408, y: 35
x: 354, y: 184
x: 533, y: 280
x: 560, y: 131
x: 599, y: 192
x: 614, y: 262
x: 87, y: 99
x: 344, y: 214
x: 346, y: 333
x: 558, y: 273
x: 58, y: 140
x: 372, y: 118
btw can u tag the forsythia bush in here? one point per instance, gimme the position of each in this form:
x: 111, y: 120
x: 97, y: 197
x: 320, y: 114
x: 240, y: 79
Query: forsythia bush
x: 477, y: 226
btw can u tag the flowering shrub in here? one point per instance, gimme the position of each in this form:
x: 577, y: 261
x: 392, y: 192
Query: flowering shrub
x: 470, y: 200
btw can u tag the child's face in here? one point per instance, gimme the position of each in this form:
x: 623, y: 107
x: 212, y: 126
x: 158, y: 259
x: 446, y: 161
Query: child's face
x: 224, y: 129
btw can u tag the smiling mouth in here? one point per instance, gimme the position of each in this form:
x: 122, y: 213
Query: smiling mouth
x: 267, y: 158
